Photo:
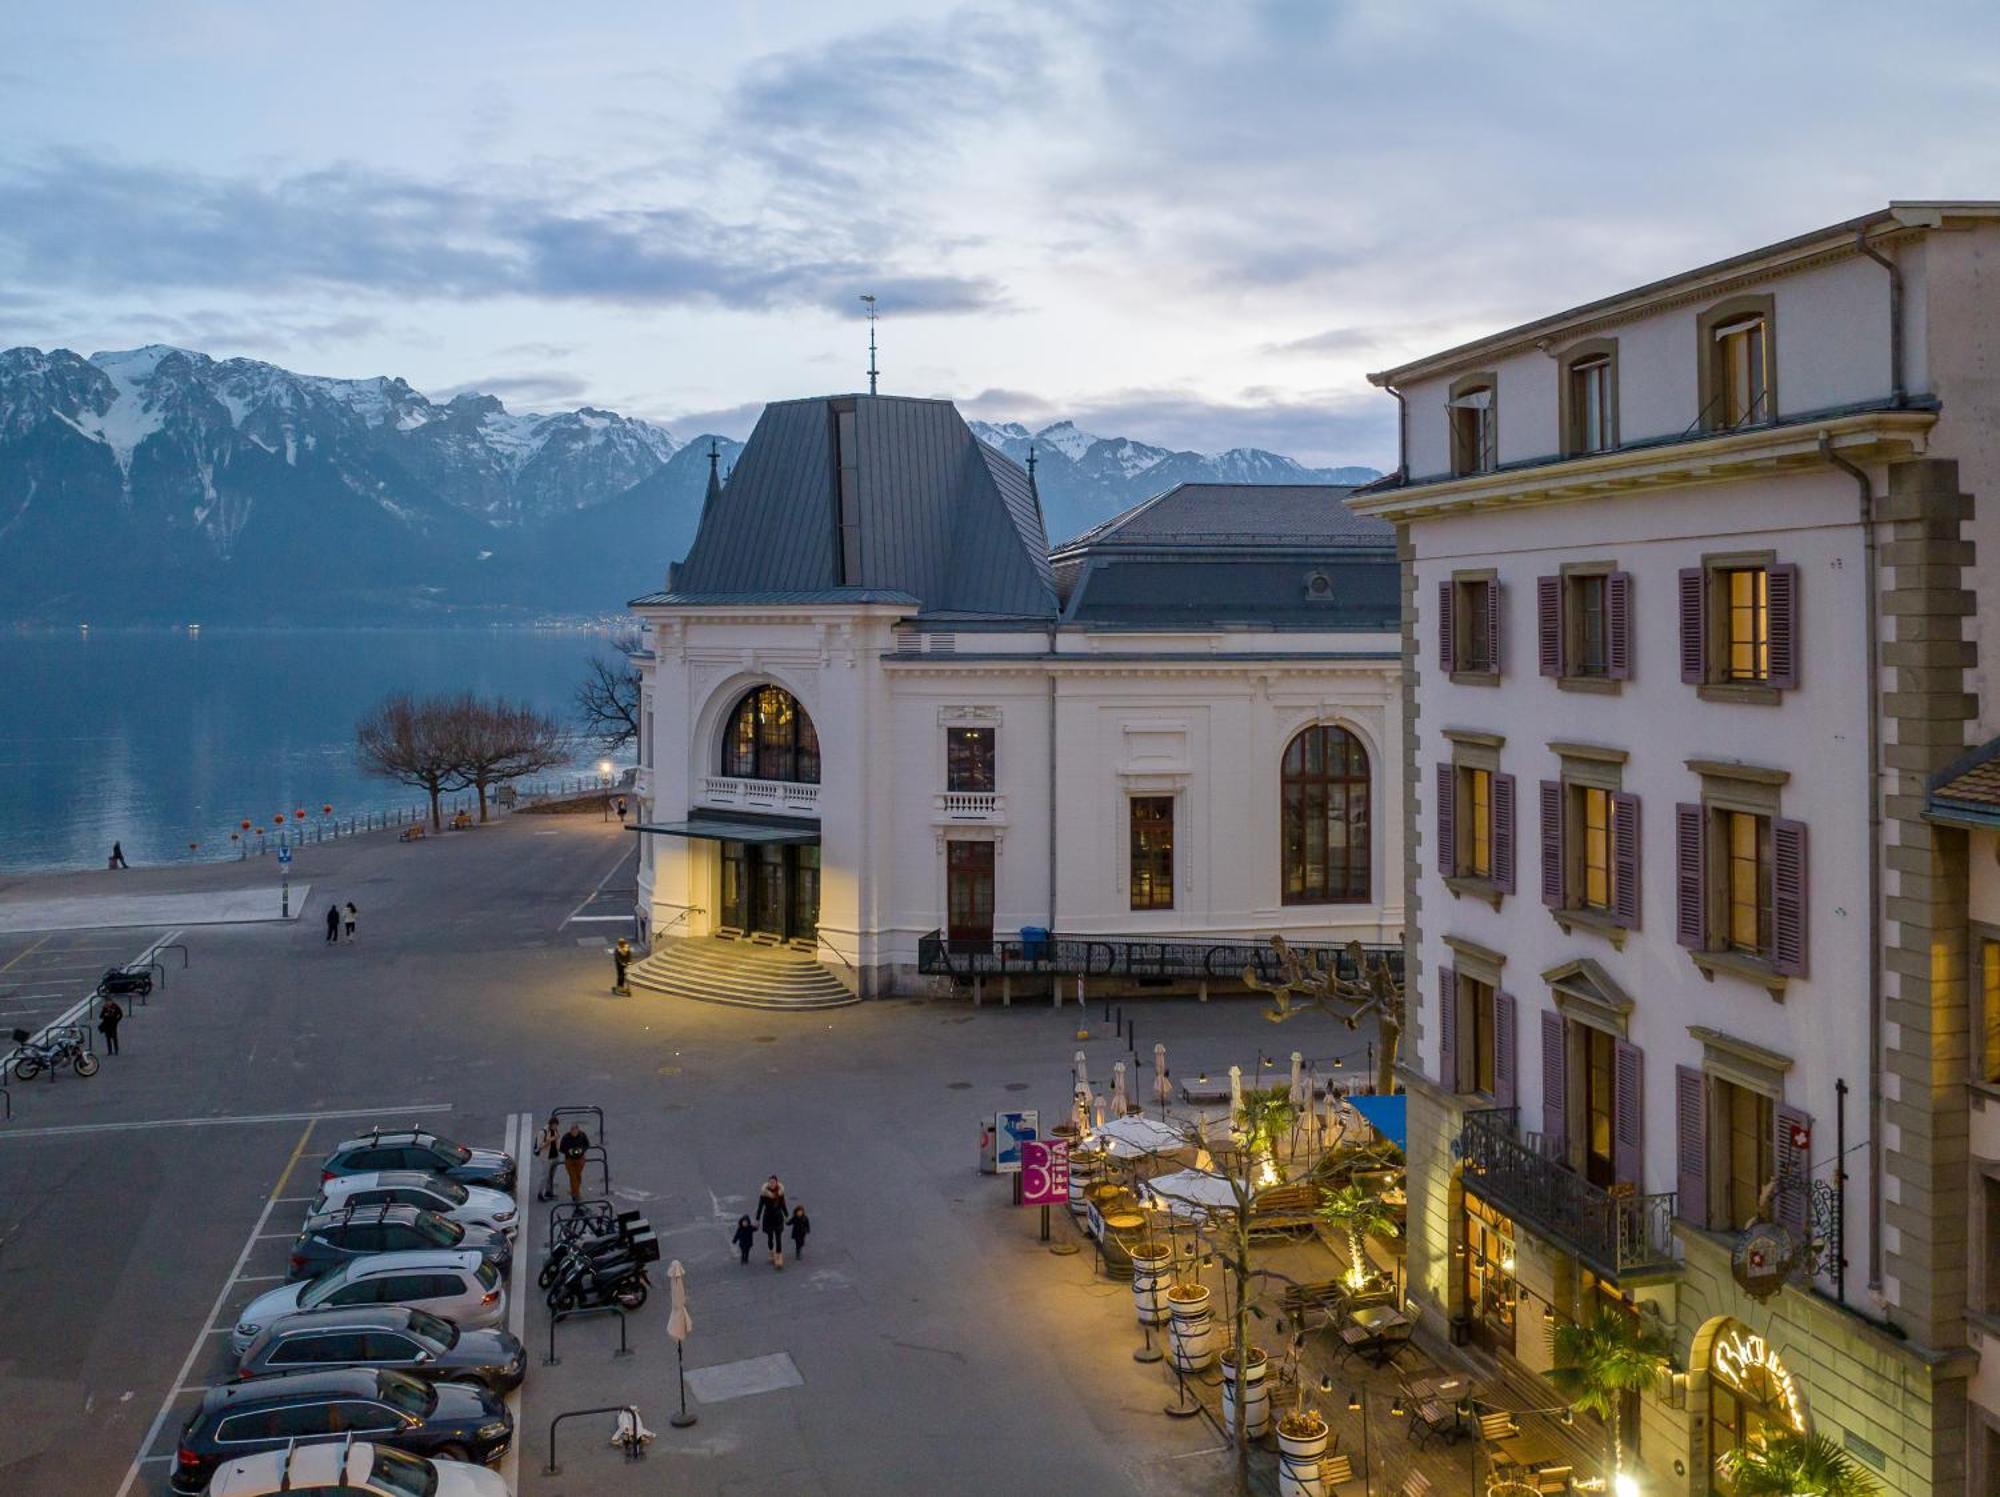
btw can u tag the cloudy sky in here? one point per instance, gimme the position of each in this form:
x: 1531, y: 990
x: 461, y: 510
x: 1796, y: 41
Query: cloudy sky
x: 1193, y: 223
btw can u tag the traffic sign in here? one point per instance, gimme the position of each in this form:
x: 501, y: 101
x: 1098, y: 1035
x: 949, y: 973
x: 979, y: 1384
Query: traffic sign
x: 284, y: 855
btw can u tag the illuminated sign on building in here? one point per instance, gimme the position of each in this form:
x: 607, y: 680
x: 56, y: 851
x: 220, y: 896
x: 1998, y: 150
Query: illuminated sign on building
x: 1738, y: 1356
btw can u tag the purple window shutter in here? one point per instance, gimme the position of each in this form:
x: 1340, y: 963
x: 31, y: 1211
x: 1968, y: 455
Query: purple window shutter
x: 1784, y: 601
x: 1629, y: 1122
x: 1690, y: 878
x: 1555, y: 1082
x: 1447, y: 632
x: 1493, y: 623
x: 1505, y: 1062
x: 1691, y: 1144
x: 1794, y: 1167
x: 1618, y: 626
x: 1694, y: 625
x: 1555, y: 871
x: 1549, y: 624
x: 1503, y: 833
x: 1447, y: 822
x: 1625, y: 859
x: 1788, y: 897
x: 1448, y: 1028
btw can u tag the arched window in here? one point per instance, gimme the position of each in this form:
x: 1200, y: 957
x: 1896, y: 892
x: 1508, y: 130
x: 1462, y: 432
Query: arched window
x: 769, y: 737
x: 1325, y: 810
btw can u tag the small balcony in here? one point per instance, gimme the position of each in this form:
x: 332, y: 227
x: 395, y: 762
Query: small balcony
x: 1623, y: 1237
x: 978, y: 807
x: 782, y: 797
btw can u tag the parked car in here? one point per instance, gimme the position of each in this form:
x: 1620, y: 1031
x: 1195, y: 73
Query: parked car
x: 329, y: 1240
x: 457, y: 1284
x: 267, y: 1413
x: 355, y: 1468
x: 420, y: 1149
x: 393, y: 1336
x: 475, y: 1205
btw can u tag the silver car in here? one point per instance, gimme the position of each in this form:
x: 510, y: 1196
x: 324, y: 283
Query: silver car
x: 355, y: 1467
x: 473, y: 1205
x: 459, y: 1285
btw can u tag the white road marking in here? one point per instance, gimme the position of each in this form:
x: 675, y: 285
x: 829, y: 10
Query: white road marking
x: 593, y: 919
x: 577, y: 913
x: 520, y: 1134
x: 257, y: 1278
x: 82, y: 1005
x: 216, y: 1122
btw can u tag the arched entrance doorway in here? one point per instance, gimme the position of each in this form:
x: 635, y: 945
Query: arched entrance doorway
x: 770, y: 881
x: 1752, y: 1394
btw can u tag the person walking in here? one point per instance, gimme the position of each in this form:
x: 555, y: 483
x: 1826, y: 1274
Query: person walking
x: 117, y: 859
x: 621, y: 958
x: 548, y: 1146
x: 574, y: 1145
x: 744, y: 1235
x: 332, y: 924
x: 109, y: 1017
x: 800, y: 1227
x: 771, y: 1219
x: 352, y: 915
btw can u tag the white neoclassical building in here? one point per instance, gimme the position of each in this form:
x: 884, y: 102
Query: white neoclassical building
x: 887, y: 730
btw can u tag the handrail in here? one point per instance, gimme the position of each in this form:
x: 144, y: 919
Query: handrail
x: 552, y: 1360
x: 634, y: 1443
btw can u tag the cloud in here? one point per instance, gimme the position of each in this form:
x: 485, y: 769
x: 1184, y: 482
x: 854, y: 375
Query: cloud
x: 219, y: 332
x: 1333, y: 340
x: 535, y: 390
x: 733, y: 421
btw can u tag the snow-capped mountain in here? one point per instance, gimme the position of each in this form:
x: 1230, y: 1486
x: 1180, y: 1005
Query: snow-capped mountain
x: 1086, y: 478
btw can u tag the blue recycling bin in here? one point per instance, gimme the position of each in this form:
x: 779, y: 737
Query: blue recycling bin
x: 1035, y: 943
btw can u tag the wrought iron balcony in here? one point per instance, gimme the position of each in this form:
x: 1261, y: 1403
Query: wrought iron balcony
x: 1121, y: 956
x: 760, y: 795
x: 1616, y: 1236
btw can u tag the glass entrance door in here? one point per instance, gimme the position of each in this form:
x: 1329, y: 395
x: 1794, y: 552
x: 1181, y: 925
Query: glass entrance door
x: 805, y: 892
x: 733, y: 908
x: 969, y: 891
x: 769, y: 905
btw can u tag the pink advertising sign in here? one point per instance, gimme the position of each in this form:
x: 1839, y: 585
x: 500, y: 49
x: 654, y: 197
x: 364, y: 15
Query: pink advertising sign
x: 1045, y: 1172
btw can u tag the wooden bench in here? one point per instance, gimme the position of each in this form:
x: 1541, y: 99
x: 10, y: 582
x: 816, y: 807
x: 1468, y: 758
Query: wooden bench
x: 1289, y: 1209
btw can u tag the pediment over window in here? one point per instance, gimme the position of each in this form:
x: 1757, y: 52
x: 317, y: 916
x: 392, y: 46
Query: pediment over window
x: 1585, y: 991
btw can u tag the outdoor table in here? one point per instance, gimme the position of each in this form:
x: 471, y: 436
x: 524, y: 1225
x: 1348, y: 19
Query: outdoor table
x: 1377, y: 1318
x: 1529, y: 1449
x: 1444, y: 1387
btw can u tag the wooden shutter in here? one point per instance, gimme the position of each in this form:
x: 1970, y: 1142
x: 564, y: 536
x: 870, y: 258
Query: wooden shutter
x: 1694, y: 625
x: 1618, y: 626
x: 1625, y: 859
x: 1690, y: 878
x: 1447, y: 785
x: 1448, y: 1028
x: 1493, y: 624
x: 1788, y: 897
x: 1555, y: 869
x: 1505, y: 1062
x: 1691, y: 1144
x: 1503, y: 833
x: 1784, y: 604
x: 1447, y: 629
x: 1549, y: 624
x: 1555, y: 1082
x: 1794, y: 1168
x: 1628, y: 1074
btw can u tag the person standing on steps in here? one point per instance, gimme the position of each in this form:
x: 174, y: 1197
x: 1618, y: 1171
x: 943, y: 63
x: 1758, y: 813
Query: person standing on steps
x: 744, y: 1235
x: 800, y: 1226
x: 352, y: 915
x: 771, y: 1219
x: 109, y: 1017
x: 621, y: 958
x: 332, y: 924
x: 575, y: 1146
x: 117, y: 858
x: 549, y: 1147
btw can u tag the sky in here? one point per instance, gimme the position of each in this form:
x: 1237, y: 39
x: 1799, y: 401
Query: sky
x: 1195, y: 224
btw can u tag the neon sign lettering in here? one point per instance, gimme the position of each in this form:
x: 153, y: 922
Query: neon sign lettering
x: 1738, y: 1354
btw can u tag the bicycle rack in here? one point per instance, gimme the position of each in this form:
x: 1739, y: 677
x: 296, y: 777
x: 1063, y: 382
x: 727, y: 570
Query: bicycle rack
x: 552, y: 1360
x: 635, y: 1448
x: 570, y: 1221
x: 595, y: 1112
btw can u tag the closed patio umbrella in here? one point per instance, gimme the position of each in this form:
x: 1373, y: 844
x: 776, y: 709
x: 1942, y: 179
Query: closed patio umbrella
x: 1298, y: 1092
x: 1163, y: 1089
x: 1118, y: 1101
x: 679, y: 1324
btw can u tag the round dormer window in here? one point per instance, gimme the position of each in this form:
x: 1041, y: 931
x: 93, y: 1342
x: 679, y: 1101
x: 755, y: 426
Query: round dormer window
x: 1319, y: 586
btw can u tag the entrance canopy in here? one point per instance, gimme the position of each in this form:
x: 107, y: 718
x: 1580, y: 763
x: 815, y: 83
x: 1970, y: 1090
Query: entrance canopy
x: 732, y: 831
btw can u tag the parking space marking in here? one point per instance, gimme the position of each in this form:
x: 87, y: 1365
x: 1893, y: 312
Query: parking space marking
x: 392, y: 1109
x: 201, y: 1340
x: 629, y: 852
x: 520, y: 1136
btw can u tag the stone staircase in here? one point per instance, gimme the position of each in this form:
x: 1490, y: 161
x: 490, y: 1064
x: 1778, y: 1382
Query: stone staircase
x: 742, y: 973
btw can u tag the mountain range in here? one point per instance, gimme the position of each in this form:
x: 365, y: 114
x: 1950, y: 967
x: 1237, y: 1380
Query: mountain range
x: 160, y: 484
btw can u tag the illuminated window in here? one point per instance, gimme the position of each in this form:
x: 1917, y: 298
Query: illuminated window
x: 769, y: 737
x: 1742, y: 375
x: 1593, y: 818
x: 1747, y: 1120
x: 1324, y: 818
x: 1476, y: 787
x: 1988, y: 1058
x: 1152, y: 852
x: 1476, y: 1015
x: 969, y: 763
x: 1746, y: 842
x: 1747, y: 640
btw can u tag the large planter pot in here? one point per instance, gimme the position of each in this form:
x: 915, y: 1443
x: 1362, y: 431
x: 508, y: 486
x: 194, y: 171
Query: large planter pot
x: 1152, y: 1271
x: 1301, y: 1447
x: 1256, y: 1396
x: 1083, y: 1167
x: 1193, y: 1332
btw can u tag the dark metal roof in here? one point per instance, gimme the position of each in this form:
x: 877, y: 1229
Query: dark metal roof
x: 1966, y: 792
x: 940, y: 519
x: 730, y: 831
x: 1239, y: 514
x: 680, y: 597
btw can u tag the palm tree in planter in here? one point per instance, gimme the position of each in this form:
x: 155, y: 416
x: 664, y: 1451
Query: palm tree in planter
x: 1795, y: 1465
x: 1357, y: 1211
x: 1267, y: 1116
x: 1600, y: 1360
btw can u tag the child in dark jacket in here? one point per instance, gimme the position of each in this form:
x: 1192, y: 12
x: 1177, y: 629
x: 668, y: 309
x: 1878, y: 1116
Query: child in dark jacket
x: 800, y: 1226
x: 744, y: 1236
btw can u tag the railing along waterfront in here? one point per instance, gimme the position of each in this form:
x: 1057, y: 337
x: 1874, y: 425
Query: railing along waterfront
x: 1122, y: 956
x: 1517, y: 1172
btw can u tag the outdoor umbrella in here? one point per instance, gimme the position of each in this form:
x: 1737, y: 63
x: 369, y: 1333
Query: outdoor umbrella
x: 1137, y: 1137
x: 1163, y: 1089
x: 1235, y: 1090
x: 1082, y: 1068
x: 1298, y: 1080
x: 678, y: 1327
x: 1192, y: 1192
x: 1118, y: 1107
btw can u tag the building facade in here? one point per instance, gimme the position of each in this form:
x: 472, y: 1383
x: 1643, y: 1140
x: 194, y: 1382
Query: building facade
x: 1695, y: 956
x: 885, y: 729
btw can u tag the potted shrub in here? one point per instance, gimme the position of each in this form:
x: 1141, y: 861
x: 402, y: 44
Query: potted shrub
x: 1302, y: 1441
x: 1255, y: 1400
x: 1193, y: 1332
x: 1793, y: 1465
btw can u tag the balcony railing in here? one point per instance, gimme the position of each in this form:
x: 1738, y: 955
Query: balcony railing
x: 1613, y: 1235
x: 985, y: 806
x: 761, y: 795
x: 1119, y: 956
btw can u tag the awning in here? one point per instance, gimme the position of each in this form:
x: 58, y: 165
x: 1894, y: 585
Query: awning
x: 1388, y: 1116
x: 731, y: 831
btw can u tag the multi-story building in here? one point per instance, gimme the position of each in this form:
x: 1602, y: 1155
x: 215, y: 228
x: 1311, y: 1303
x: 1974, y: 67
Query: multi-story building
x: 886, y: 729
x: 1704, y: 963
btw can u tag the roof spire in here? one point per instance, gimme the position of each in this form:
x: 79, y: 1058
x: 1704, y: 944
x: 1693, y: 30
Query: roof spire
x: 1032, y: 487
x: 870, y: 301
x: 714, y: 492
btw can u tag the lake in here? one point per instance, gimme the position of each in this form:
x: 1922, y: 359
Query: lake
x: 158, y: 739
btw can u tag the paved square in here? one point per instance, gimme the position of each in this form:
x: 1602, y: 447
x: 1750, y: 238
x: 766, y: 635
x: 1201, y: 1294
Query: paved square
x: 727, y: 1380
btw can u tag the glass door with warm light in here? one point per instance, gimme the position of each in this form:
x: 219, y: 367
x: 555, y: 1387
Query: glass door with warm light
x: 805, y: 892
x: 1490, y: 1295
x: 969, y: 891
x: 768, y: 903
x: 732, y: 908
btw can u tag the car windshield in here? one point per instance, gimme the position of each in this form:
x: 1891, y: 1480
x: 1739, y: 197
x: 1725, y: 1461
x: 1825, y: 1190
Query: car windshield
x: 456, y: 1153
x: 451, y: 1190
x: 441, y: 1230
x: 488, y: 1275
x: 402, y: 1475
x: 321, y: 1288
x: 407, y: 1395
x: 437, y: 1333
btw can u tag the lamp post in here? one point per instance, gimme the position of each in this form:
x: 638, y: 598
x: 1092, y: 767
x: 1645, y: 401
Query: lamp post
x: 604, y: 775
x: 1356, y: 1402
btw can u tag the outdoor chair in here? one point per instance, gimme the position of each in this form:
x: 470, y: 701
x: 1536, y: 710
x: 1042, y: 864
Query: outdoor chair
x: 1497, y: 1426
x: 1416, y: 1484
x: 1358, y: 1340
x: 1553, y: 1479
x: 1431, y: 1420
x: 1337, y: 1470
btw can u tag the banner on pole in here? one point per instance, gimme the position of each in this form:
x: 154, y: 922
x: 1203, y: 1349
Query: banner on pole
x: 1045, y: 1172
x: 1010, y: 1131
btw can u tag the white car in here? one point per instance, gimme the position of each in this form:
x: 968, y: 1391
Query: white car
x: 456, y: 1283
x: 471, y: 1205
x: 357, y: 1467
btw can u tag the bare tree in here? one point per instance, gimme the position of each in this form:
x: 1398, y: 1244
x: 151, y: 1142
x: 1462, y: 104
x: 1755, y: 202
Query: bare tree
x: 415, y: 742
x: 608, y: 699
x: 1306, y: 982
x: 504, y: 740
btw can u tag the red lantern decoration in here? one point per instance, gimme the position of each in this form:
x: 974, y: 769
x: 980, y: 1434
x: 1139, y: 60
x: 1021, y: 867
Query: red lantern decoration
x: 279, y: 819
x: 326, y: 810
x: 301, y: 813
x: 246, y: 824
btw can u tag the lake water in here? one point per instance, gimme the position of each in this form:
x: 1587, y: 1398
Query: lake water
x: 157, y: 739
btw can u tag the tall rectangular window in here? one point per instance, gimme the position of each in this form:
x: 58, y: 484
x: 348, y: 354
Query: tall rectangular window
x: 1746, y: 843
x: 969, y: 763
x: 1747, y: 643
x: 1987, y: 1058
x: 1479, y: 1035
x: 1748, y: 1137
x: 1593, y: 816
x: 1476, y: 861
x: 1990, y: 1200
x: 1742, y: 372
x: 1600, y: 1105
x: 1474, y: 608
x: 1152, y: 830
x: 1475, y: 435
x: 1590, y: 404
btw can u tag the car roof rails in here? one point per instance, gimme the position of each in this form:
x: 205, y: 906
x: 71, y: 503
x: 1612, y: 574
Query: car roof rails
x: 285, y: 1466
x: 345, y: 1446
